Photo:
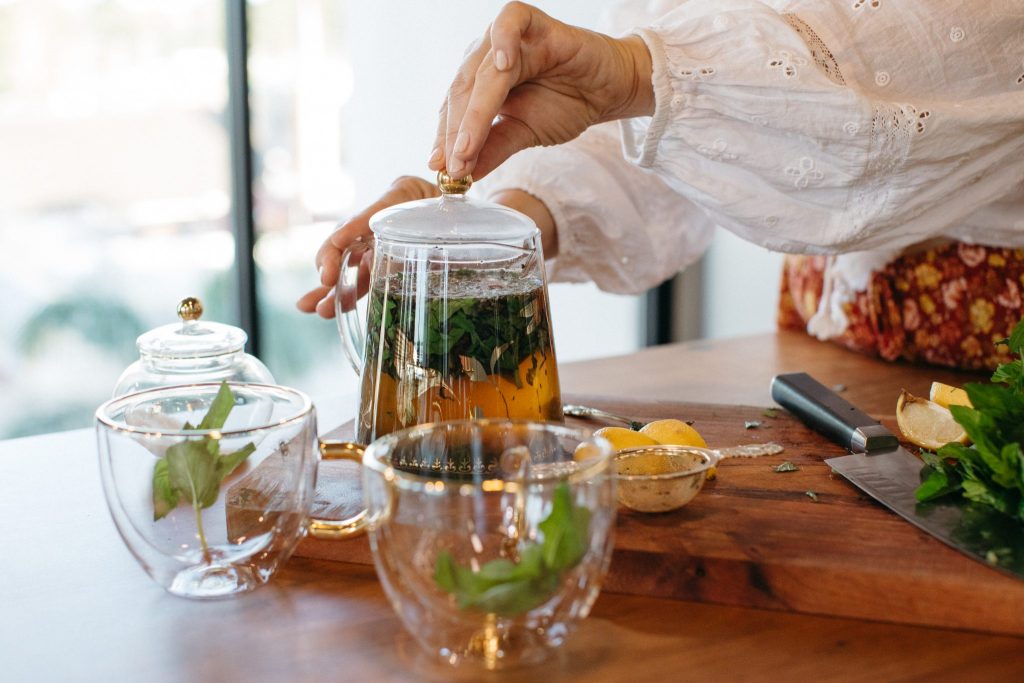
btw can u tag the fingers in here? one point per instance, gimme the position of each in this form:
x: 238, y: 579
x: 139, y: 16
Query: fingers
x: 328, y: 257
x: 507, y: 32
x: 472, y: 110
x: 455, y: 103
x: 436, y: 162
x: 311, y: 301
x: 490, y: 90
x: 508, y: 135
x: 325, y: 307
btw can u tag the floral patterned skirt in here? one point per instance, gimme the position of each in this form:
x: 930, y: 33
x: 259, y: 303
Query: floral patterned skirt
x: 948, y: 305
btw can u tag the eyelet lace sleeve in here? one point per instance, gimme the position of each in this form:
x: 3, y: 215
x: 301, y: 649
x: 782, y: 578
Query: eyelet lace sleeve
x: 848, y: 133
x: 802, y: 126
x: 618, y: 225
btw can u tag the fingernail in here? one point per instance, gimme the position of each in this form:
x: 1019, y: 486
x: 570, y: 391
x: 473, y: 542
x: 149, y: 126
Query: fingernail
x: 461, y: 143
x: 320, y: 272
x: 500, y: 60
x: 454, y: 168
x: 435, y: 156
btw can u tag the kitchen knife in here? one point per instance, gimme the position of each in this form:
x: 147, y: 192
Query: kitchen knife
x: 887, y: 472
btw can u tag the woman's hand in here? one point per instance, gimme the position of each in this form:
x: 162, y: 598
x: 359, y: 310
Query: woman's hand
x: 532, y: 80
x: 328, y: 257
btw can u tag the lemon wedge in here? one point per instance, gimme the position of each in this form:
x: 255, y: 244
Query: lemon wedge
x: 927, y: 424
x: 946, y: 395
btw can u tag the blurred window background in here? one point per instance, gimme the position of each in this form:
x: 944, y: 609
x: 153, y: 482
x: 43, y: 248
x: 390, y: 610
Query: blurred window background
x: 114, y: 192
x: 116, y: 171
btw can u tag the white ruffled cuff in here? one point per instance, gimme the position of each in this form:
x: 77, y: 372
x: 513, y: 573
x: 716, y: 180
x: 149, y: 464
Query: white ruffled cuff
x: 641, y: 135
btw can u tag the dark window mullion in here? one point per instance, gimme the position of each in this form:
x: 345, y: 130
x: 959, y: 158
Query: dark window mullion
x: 236, y: 20
x: 659, y: 304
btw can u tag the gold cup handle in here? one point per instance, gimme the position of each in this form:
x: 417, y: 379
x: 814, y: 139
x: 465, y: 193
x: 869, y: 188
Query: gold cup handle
x: 357, y: 523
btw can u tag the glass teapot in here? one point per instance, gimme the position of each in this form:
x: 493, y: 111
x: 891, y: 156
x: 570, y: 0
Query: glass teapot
x: 457, y: 320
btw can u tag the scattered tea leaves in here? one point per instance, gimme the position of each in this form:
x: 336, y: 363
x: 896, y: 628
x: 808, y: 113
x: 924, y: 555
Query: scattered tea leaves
x: 770, y: 413
x: 839, y: 388
x: 812, y: 495
x: 751, y: 424
x: 786, y: 467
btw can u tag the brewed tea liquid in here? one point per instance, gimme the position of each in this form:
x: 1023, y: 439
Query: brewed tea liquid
x: 469, y: 344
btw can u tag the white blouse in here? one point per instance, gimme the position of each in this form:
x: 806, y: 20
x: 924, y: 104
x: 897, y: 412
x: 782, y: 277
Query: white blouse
x: 857, y: 127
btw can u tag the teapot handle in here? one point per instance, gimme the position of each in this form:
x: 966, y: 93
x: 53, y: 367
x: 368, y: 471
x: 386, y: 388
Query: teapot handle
x: 347, y: 293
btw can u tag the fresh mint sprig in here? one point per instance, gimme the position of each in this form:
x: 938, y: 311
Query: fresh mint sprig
x: 991, y: 470
x: 507, y: 588
x: 192, y: 471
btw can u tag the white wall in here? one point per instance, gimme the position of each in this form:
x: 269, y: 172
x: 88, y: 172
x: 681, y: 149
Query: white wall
x: 740, y: 288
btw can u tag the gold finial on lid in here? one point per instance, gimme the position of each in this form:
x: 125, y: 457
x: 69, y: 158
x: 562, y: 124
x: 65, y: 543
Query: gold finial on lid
x: 449, y: 185
x: 190, y: 308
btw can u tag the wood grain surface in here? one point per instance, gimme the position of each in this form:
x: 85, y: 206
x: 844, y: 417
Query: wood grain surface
x: 755, y: 538
x: 75, y: 606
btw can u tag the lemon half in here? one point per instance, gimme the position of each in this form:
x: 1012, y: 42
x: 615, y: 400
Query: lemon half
x: 620, y: 438
x: 927, y: 424
x: 673, y: 433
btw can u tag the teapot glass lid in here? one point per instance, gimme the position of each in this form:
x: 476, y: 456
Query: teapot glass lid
x: 191, y: 338
x: 452, y: 218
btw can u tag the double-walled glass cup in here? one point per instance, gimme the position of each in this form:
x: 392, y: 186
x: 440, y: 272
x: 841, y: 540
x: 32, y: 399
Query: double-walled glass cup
x: 489, y: 537
x: 213, y: 510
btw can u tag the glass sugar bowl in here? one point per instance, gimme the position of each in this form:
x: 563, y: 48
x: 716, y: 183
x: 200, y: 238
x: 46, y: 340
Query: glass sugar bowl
x: 192, y: 351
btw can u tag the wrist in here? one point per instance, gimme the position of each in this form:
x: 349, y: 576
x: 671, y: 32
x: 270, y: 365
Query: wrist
x: 537, y: 211
x: 636, y: 79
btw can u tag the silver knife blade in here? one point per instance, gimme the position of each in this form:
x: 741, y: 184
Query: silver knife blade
x: 890, y: 474
x: 891, y: 477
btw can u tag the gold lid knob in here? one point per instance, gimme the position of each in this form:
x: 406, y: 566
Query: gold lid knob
x: 449, y: 185
x: 190, y: 308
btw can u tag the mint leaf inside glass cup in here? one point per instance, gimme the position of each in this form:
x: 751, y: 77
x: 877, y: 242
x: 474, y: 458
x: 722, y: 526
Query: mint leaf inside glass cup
x: 490, y: 538
x: 209, y: 485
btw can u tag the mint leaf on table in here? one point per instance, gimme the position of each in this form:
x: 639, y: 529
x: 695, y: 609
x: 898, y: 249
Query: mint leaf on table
x: 508, y: 588
x: 991, y: 470
x: 193, y: 470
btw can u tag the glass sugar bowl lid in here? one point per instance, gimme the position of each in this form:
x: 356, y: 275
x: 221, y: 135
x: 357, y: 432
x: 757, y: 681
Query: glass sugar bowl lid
x: 191, y: 351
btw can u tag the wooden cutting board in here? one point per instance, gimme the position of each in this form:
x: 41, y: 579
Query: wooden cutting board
x: 755, y: 538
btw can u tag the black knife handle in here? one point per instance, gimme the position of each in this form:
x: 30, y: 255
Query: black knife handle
x: 825, y: 411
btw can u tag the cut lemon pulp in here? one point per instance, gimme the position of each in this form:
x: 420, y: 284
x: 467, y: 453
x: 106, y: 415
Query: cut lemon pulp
x: 927, y: 424
x: 946, y: 395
